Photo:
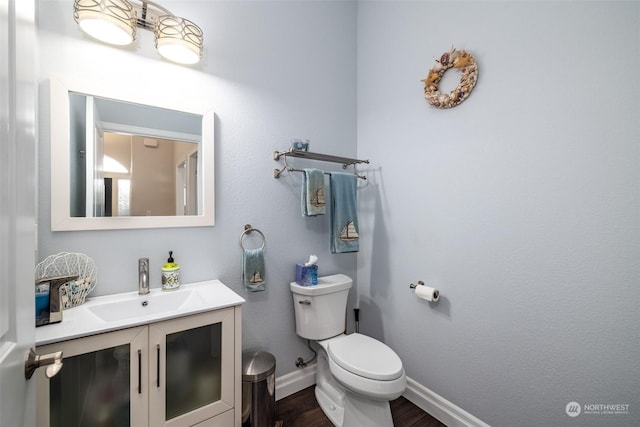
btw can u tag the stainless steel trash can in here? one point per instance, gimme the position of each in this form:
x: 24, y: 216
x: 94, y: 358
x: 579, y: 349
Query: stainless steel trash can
x: 258, y: 389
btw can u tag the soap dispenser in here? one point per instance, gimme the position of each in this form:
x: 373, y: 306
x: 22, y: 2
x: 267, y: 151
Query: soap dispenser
x: 170, y: 274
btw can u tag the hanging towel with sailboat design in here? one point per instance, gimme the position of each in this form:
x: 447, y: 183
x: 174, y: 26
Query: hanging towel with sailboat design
x: 313, y: 201
x: 344, y: 214
x: 253, y: 269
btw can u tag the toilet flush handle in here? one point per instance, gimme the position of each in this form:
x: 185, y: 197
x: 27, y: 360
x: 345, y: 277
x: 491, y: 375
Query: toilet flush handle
x: 304, y: 302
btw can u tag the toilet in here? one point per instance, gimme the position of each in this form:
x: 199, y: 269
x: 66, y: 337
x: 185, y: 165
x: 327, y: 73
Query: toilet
x: 356, y: 375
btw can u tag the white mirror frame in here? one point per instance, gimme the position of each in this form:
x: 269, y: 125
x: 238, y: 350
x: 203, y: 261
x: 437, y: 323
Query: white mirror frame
x: 60, y: 163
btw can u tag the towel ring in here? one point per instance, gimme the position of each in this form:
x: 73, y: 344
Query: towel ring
x: 247, y: 230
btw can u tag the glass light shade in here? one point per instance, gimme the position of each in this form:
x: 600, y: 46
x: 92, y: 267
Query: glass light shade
x: 178, y: 40
x: 110, y: 21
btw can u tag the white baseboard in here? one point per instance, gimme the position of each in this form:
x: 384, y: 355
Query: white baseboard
x: 425, y: 399
x: 295, y: 381
x: 439, y: 407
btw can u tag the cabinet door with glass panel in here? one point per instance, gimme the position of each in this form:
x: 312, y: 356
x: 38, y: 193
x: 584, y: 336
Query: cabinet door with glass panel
x: 183, y: 369
x: 191, y: 368
x: 102, y: 382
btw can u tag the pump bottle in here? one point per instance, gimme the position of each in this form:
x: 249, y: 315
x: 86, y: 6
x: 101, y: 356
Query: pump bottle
x: 170, y: 274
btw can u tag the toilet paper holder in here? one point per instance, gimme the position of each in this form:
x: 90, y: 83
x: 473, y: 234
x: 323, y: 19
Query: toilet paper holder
x: 434, y: 296
x: 413, y: 286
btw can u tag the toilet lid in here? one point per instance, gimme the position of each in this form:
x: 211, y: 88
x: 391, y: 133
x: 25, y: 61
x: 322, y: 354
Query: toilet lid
x: 365, y: 356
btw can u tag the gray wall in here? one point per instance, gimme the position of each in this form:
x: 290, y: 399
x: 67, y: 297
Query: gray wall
x: 272, y: 71
x: 522, y: 205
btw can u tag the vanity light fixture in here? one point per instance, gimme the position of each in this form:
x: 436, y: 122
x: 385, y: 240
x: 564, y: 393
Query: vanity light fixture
x: 115, y: 22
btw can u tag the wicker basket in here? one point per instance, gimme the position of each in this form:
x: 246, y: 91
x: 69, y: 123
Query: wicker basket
x: 70, y: 264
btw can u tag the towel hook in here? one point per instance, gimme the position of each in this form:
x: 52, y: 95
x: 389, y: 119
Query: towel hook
x: 247, y: 230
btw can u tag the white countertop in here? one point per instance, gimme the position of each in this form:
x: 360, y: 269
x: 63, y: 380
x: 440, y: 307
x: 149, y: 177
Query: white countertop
x: 120, y: 311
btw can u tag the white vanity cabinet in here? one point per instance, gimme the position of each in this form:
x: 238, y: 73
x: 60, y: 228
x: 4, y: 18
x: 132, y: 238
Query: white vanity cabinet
x: 184, y: 371
x: 191, y: 369
x: 98, y: 382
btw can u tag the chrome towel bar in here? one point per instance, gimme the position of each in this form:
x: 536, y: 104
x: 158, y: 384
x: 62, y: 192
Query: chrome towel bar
x: 345, y: 161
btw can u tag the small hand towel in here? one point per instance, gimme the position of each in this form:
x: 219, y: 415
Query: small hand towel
x: 312, y: 201
x: 344, y: 214
x: 253, y: 269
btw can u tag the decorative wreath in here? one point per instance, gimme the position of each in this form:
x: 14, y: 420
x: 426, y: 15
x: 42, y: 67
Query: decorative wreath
x: 468, y: 77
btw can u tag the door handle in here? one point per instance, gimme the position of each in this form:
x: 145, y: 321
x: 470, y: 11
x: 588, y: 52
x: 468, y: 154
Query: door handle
x: 139, y: 371
x: 33, y: 361
x: 158, y: 365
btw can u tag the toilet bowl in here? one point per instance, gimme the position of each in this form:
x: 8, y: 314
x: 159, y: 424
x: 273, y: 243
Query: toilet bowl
x: 366, y: 366
x: 356, y: 375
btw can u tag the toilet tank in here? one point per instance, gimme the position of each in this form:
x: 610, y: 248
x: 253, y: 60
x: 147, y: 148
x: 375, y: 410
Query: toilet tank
x: 321, y: 309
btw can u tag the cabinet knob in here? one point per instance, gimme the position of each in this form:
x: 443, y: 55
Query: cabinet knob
x: 33, y: 361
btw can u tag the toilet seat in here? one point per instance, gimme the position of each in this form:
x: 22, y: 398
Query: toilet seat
x: 372, y: 389
x: 366, y: 357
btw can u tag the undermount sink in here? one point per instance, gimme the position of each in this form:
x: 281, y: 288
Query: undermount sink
x: 143, y: 305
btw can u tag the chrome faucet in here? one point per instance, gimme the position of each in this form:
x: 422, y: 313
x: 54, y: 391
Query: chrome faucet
x: 143, y: 276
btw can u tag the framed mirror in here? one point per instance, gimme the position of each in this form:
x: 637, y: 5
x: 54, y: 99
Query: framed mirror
x: 128, y: 160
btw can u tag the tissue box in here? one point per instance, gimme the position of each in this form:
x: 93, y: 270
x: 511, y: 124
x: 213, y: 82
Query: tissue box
x: 306, y: 276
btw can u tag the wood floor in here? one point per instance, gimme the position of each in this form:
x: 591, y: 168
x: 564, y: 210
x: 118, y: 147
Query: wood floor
x: 301, y: 410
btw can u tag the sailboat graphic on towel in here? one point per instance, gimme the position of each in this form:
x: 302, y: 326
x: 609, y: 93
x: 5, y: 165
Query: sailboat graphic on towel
x: 256, y: 278
x: 349, y: 233
x: 318, y: 198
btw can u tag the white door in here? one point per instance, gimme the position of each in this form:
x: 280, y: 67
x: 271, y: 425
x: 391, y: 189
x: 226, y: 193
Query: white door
x: 181, y: 188
x: 94, y: 157
x: 192, y: 184
x: 17, y: 208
